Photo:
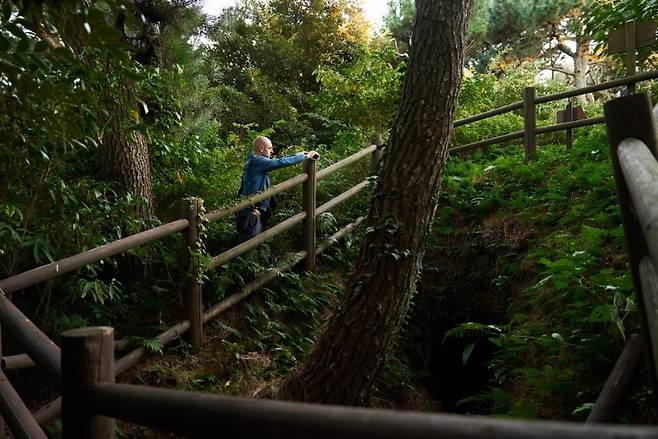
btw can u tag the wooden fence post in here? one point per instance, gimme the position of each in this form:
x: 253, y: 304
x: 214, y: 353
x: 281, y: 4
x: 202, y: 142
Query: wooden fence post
x: 569, y: 115
x: 631, y: 116
x: 309, y: 202
x: 192, y: 287
x: 2, y: 421
x: 529, y: 119
x: 87, y: 359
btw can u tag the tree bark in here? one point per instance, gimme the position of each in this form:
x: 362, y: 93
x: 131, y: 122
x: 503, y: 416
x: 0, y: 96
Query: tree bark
x: 343, y: 365
x: 125, y: 159
x: 581, y: 66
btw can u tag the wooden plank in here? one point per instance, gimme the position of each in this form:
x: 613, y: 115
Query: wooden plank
x: 617, y: 41
x: 39, y: 347
x: 530, y: 124
x: 598, y: 87
x: 58, y: 268
x: 650, y: 294
x: 87, y: 359
x: 645, y: 33
x: 19, y: 419
x: 484, y: 143
x: 198, y: 414
x: 254, y: 242
x: 274, y: 190
x: 631, y: 116
x: 192, y: 287
x: 309, y: 203
x: 617, y: 385
x: 322, y: 173
x: 640, y: 170
x: 335, y: 201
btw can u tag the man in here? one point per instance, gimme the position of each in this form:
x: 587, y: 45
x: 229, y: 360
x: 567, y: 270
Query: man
x: 254, y: 179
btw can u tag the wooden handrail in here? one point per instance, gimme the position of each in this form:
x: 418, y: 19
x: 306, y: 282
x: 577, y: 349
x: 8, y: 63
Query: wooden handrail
x: 322, y: 173
x: 569, y: 125
x: 51, y: 410
x: 204, y: 415
x: 488, y: 114
x: 12, y: 408
x: 254, y: 242
x: 488, y: 142
x: 274, y: 190
x: 335, y: 201
x: 39, y: 347
x: 58, y: 268
x: 530, y: 130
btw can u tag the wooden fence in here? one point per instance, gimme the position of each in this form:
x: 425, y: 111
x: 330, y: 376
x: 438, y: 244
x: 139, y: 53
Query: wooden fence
x: 86, y: 369
x: 528, y: 105
x: 42, y: 352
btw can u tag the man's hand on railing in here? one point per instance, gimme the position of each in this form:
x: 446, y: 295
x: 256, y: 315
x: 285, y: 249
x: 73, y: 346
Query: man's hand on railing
x: 313, y: 155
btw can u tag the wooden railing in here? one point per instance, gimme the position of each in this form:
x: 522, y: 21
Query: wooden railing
x: 633, y: 143
x: 42, y: 352
x: 528, y: 105
x: 92, y: 401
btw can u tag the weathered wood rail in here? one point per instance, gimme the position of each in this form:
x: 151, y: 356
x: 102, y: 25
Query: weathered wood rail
x: 528, y: 105
x: 91, y: 403
x: 633, y: 148
x: 42, y: 352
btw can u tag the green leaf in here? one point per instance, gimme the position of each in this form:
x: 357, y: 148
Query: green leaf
x: 468, y: 350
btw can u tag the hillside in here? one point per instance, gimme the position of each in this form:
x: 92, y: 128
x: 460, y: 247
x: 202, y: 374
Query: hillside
x: 522, y: 308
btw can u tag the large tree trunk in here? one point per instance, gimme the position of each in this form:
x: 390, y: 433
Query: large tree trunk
x: 581, y: 65
x: 347, y: 358
x: 125, y: 159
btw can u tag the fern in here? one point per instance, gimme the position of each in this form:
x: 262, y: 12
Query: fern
x: 471, y: 329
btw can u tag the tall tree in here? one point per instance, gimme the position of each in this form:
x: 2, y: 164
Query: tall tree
x: 348, y: 356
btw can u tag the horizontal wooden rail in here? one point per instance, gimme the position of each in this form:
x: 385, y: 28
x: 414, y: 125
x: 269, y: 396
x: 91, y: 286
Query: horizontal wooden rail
x: 333, y: 239
x: 322, y: 173
x: 335, y: 201
x: 272, y: 274
x: 23, y: 361
x: 204, y: 415
x: 616, y: 387
x: 570, y: 125
x: 640, y: 171
x: 488, y: 142
x: 51, y: 410
x: 557, y: 96
x: 488, y: 114
x: 58, y: 268
x: 38, y: 346
x: 598, y: 87
x: 274, y: 190
x: 21, y: 422
x: 255, y: 241
x: 230, y: 301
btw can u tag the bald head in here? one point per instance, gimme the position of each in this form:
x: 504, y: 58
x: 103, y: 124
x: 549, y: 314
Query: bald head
x: 263, y: 146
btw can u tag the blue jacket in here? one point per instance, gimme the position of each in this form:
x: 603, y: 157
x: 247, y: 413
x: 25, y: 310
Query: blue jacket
x: 254, y: 174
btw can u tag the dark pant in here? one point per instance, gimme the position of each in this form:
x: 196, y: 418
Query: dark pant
x: 248, y: 224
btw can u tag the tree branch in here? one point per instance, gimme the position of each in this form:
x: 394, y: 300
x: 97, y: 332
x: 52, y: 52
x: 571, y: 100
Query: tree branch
x: 559, y: 70
x: 565, y: 49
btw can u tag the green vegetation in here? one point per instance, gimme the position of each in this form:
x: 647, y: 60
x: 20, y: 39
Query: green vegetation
x: 527, y: 262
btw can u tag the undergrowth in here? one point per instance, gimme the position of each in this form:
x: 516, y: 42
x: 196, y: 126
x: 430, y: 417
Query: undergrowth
x: 526, y: 266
